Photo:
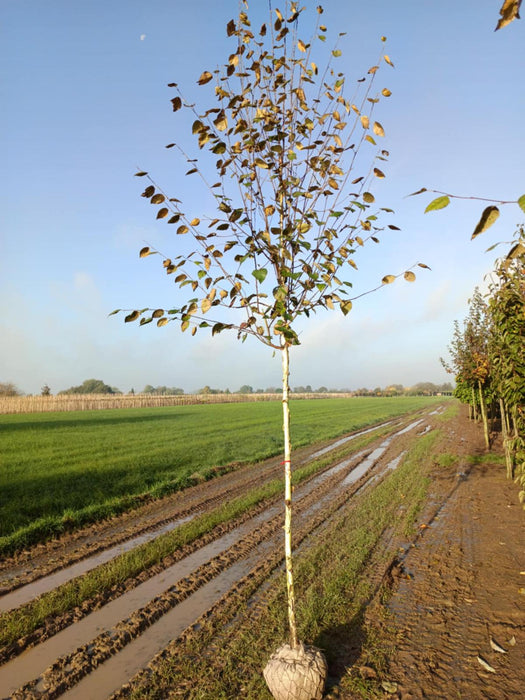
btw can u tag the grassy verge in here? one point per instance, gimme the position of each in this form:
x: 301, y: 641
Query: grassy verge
x: 59, y: 471
x: 21, y: 622
x: 336, y: 576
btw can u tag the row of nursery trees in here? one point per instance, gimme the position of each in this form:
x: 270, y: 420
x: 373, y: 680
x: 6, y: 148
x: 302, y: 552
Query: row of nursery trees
x: 487, y: 355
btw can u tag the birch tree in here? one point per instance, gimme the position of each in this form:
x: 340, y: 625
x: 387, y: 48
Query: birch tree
x: 296, y: 152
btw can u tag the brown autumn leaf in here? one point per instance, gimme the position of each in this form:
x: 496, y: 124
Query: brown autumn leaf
x: 365, y: 121
x: 379, y: 173
x: 386, y: 92
x: 205, y: 78
x: 177, y: 103
x: 510, y: 10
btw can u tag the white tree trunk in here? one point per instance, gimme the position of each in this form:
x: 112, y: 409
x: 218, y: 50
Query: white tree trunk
x: 288, y: 496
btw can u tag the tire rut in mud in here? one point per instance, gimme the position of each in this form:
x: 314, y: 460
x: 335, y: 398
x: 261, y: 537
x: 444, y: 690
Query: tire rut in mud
x: 69, y: 669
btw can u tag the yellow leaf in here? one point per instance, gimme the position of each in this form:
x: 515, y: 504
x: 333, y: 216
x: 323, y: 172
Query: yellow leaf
x: 195, y: 222
x: 221, y: 122
x: 378, y: 129
x: 489, y: 216
x: 301, y: 46
x: 386, y: 92
x: 378, y: 173
x: 346, y: 306
x: 388, y: 279
x: 314, y: 68
x: 365, y: 121
x: 409, y: 276
x: 509, y: 11
x: 261, y: 163
x: 370, y: 139
x: 205, y: 305
x: 205, y: 78
x: 162, y: 322
x: 387, y: 59
x: 144, y: 252
x: 368, y: 197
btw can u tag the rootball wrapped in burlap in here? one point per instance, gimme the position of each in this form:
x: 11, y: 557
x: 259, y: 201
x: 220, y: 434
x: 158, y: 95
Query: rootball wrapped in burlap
x: 296, y: 673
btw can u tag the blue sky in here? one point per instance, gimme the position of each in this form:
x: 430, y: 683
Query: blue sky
x: 85, y: 103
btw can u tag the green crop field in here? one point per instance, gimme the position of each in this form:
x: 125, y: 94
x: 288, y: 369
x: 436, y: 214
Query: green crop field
x: 60, y: 470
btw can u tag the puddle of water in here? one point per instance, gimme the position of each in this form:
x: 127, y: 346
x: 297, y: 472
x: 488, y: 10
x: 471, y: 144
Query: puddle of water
x: 126, y: 663
x: 32, y: 590
x: 119, y: 669
x: 25, y: 594
x: 344, y: 440
x: 34, y: 661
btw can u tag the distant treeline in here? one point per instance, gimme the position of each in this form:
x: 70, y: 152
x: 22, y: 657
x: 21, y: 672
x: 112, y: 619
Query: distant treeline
x: 97, y: 386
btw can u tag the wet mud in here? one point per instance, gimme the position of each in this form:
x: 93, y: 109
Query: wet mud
x: 103, y: 644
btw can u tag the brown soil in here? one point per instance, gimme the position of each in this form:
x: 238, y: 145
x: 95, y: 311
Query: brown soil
x: 456, y: 613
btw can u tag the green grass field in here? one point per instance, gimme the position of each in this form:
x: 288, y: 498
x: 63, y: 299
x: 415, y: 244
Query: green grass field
x: 60, y: 470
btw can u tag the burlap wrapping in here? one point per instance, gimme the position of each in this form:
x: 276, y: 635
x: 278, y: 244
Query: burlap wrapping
x: 296, y: 673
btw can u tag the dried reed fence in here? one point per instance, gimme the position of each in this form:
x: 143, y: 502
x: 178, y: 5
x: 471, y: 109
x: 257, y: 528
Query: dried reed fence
x: 91, y: 402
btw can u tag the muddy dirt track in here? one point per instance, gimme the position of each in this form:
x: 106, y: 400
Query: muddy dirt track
x: 461, y: 592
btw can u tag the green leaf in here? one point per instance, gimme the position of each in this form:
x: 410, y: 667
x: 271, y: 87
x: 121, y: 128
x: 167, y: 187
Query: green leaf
x: 260, y: 274
x: 117, y: 311
x: 337, y: 53
x: 521, y: 202
x: 489, y: 216
x: 438, y: 203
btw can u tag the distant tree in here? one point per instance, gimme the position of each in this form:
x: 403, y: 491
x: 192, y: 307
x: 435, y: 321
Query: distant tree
x: 91, y: 386
x: 322, y: 390
x: 9, y: 389
x: 245, y: 389
x: 132, y: 391
x: 45, y: 391
x: 162, y: 390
